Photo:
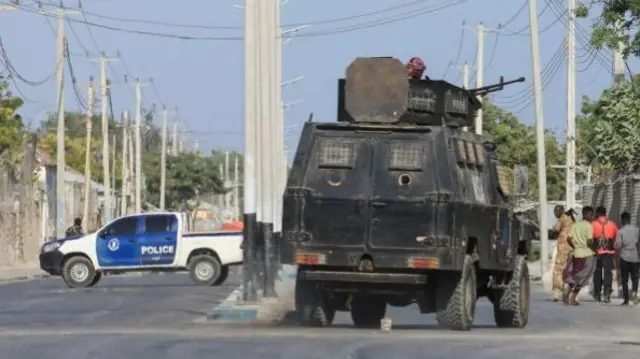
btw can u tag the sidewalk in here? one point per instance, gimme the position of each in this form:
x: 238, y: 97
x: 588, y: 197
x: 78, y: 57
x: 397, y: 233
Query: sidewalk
x: 22, y: 271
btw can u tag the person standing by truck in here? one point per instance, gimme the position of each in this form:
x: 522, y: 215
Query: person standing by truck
x: 626, y: 245
x: 604, y: 234
x: 563, y: 228
x: 582, y: 263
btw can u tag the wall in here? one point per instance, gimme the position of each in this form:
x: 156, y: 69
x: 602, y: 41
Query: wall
x: 617, y: 196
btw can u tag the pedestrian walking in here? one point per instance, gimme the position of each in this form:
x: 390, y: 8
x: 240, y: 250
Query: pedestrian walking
x: 604, y: 234
x: 563, y: 229
x: 583, y: 261
x: 626, y: 245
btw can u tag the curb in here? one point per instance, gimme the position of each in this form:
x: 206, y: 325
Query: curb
x: 24, y: 278
x: 232, y: 310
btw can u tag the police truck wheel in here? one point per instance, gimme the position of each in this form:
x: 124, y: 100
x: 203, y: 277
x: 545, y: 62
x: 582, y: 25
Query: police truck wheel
x: 224, y: 274
x: 204, y: 270
x: 367, y: 311
x: 96, y: 279
x: 78, y: 272
x: 511, y: 305
x: 456, y: 297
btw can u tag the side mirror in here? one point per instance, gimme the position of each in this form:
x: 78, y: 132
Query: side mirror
x: 521, y: 180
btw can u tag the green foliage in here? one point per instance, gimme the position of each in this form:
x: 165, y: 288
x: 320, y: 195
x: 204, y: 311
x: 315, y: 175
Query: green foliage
x: 189, y: 176
x: 516, y: 144
x: 617, y: 24
x: 12, y: 129
x: 610, y: 128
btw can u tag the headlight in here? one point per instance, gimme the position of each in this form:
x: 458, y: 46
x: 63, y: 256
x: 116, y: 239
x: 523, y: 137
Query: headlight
x: 50, y: 247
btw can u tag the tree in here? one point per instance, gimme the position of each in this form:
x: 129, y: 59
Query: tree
x: 189, y: 176
x: 610, y: 129
x: 11, y: 125
x: 516, y: 145
x: 616, y: 25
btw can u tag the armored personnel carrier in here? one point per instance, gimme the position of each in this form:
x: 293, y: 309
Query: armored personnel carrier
x: 395, y: 204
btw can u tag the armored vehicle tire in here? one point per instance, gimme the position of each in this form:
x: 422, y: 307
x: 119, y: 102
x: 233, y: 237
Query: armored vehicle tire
x: 511, y: 305
x: 204, y: 270
x: 456, y: 297
x: 312, y: 306
x: 367, y: 311
x: 78, y: 272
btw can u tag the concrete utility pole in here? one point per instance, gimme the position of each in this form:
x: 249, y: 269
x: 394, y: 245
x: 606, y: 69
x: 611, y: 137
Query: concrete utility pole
x: 138, y: 142
x: 183, y: 141
x: 236, y: 190
x: 131, y: 167
x: 163, y: 158
x: 61, y: 54
x: 571, y: 107
x: 619, y: 66
x: 174, y: 140
x: 227, y: 183
x: 104, y: 102
x: 114, y: 210
x: 87, y: 155
x: 124, y: 195
x: 540, y: 144
x: 481, y: 30
x: 250, y: 282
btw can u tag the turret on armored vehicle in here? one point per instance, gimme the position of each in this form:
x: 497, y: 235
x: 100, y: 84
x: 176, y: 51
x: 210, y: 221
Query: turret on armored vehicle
x: 396, y: 204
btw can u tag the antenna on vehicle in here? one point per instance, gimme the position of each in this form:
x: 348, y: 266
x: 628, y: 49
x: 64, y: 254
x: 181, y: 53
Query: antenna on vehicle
x: 310, y: 117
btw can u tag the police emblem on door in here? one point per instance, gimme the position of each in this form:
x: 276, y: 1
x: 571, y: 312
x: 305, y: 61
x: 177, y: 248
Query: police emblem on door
x: 114, y: 244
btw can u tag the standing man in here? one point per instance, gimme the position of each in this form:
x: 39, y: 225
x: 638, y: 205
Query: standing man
x: 604, y: 234
x: 626, y: 245
x: 583, y: 261
x: 563, y: 229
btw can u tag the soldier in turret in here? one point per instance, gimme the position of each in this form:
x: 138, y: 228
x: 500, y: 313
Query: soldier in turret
x: 415, y: 68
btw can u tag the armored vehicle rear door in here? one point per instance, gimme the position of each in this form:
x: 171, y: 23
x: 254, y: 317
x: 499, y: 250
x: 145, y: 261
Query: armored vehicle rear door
x: 401, y: 216
x: 336, y: 212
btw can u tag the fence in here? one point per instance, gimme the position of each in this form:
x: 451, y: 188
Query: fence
x: 617, y: 196
x: 21, y: 204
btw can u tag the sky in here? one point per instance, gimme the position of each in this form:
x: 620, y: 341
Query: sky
x: 203, y: 77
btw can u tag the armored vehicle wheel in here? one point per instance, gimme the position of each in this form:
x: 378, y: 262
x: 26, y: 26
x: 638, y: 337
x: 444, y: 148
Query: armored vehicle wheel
x: 456, y: 297
x: 312, y: 307
x: 367, y: 311
x: 511, y: 305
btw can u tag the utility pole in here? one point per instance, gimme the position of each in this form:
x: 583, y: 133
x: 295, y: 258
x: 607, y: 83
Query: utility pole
x: 104, y: 102
x: 540, y: 143
x: 163, y: 158
x: 571, y: 107
x: 481, y: 30
x: 249, y: 280
x: 87, y: 155
x: 61, y: 54
x: 131, y: 167
x: 124, y: 195
x: 174, y: 141
x: 619, y: 65
x: 227, y: 183
x: 236, y: 191
x: 113, y: 174
x: 138, y: 146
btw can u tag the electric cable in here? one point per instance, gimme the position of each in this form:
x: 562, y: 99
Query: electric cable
x: 493, y: 51
x: 12, y: 70
x: 460, y: 46
x: 526, y: 27
x: 82, y: 104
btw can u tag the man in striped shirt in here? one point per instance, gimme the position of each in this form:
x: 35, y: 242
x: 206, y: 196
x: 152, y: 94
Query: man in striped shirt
x: 604, y: 235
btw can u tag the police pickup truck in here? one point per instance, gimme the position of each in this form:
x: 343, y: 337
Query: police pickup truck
x: 153, y: 242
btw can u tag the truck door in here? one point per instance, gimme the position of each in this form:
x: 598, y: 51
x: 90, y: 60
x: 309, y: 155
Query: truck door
x: 400, y: 214
x: 159, y: 239
x: 117, y: 244
x: 336, y: 210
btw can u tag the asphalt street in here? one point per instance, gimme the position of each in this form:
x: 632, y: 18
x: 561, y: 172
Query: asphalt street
x: 162, y: 316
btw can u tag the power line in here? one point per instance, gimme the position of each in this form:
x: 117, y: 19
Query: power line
x: 234, y: 27
x: 460, y: 46
x: 366, y: 25
x: 515, y: 16
x: 14, y: 72
x: 79, y: 99
x: 493, y: 51
x: 528, y: 26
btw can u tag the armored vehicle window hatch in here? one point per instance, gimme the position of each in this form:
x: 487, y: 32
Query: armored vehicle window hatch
x: 394, y: 204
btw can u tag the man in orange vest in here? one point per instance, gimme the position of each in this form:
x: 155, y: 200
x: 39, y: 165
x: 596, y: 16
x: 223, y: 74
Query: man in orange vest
x: 604, y: 237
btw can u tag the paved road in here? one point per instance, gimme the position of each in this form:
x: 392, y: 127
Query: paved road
x: 159, y: 317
